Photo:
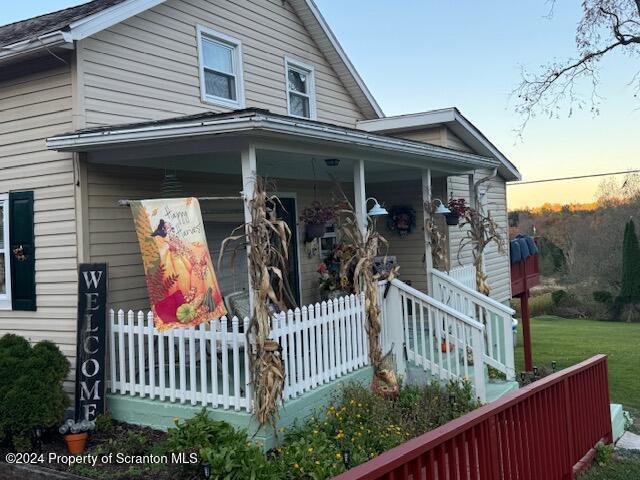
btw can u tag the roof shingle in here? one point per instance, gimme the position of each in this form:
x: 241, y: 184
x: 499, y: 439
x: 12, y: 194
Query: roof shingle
x: 35, y: 27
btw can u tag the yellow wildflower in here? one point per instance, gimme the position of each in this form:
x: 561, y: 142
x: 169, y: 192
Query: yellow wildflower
x: 296, y: 466
x: 310, y: 450
x: 338, y: 456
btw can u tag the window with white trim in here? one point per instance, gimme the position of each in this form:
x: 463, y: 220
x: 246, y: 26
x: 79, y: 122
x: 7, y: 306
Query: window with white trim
x: 5, y: 259
x: 220, y: 68
x: 301, y: 89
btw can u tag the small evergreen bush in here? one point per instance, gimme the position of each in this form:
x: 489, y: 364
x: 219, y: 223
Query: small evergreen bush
x: 602, y: 296
x: 31, y: 393
x: 559, y: 296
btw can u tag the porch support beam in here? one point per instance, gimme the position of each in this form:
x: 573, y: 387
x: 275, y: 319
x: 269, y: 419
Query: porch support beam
x: 249, y: 173
x: 426, y: 200
x: 360, y: 194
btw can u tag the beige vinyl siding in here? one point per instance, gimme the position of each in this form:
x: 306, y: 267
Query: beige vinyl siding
x: 433, y: 135
x: 34, y: 106
x: 409, y: 250
x: 147, y: 66
x: 459, y: 186
x: 112, y: 234
x: 497, y: 264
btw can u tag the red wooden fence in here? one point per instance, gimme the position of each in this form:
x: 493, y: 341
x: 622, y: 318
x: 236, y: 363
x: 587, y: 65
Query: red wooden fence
x: 540, y: 432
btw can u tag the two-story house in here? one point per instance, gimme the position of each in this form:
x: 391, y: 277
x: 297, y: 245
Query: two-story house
x: 110, y: 100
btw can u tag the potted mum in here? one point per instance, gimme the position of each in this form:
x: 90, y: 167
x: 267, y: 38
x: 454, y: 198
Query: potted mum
x: 458, y: 207
x: 315, y: 218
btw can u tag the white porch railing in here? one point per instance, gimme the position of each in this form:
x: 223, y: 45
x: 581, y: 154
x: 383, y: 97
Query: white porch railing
x: 208, y: 365
x: 441, y: 340
x: 203, y: 365
x: 466, y: 275
x: 321, y: 342
x: 496, y: 317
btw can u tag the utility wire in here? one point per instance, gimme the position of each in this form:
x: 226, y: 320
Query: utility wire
x: 572, y: 178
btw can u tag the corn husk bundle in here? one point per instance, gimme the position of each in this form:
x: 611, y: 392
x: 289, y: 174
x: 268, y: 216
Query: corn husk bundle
x: 437, y: 239
x: 366, y: 243
x: 268, y: 239
x: 482, y: 230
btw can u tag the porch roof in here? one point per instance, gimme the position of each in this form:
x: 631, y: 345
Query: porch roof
x: 261, y: 124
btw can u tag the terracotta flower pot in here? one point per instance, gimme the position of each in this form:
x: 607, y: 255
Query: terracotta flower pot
x: 452, y: 218
x: 76, y: 442
x: 315, y: 230
x: 444, y: 348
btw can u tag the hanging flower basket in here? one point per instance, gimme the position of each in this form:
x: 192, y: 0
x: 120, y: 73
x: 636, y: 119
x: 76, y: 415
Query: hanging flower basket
x: 315, y: 230
x: 452, y: 218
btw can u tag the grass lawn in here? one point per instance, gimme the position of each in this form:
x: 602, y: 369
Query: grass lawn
x: 569, y: 341
x: 624, y: 465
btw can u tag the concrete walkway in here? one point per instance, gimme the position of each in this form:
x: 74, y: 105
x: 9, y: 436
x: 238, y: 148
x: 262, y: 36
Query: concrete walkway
x: 629, y: 441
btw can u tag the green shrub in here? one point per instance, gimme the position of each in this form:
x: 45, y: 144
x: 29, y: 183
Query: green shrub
x: 31, y: 393
x: 559, y: 296
x: 104, y: 423
x: 226, y: 449
x: 602, y: 296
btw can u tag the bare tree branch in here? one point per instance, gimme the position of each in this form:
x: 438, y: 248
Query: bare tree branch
x: 606, y: 25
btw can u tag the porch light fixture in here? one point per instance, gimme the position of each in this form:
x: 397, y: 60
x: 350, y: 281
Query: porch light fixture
x: 377, y: 209
x: 441, y: 209
x: 332, y: 162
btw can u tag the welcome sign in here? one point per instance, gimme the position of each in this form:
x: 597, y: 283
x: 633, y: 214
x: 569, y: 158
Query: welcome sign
x: 91, y: 340
x: 182, y: 285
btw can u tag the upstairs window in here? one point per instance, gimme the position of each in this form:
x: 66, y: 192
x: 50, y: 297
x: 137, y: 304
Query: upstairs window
x: 301, y: 89
x: 220, y: 68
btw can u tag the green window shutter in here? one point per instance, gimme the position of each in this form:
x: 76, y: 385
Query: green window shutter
x: 23, y: 262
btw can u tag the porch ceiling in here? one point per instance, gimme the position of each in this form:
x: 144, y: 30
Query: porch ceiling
x: 227, y: 134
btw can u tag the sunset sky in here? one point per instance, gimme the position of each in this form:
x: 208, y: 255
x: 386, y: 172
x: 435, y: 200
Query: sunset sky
x: 425, y: 54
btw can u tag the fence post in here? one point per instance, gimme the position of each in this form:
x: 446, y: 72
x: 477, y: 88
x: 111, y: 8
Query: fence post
x: 477, y: 342
x: 508, y: 347
x: 395, y: 328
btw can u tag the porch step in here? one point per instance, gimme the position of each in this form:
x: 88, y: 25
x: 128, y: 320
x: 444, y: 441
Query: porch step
x: 495, y: 388
x: 617, y: 421
x: 499, y: 388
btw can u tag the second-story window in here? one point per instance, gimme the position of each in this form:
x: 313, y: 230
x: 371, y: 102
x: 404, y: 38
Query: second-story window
x: 220, y: 68
x: 301, y: 95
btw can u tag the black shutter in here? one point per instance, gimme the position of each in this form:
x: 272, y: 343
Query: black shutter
x: 23, y: 262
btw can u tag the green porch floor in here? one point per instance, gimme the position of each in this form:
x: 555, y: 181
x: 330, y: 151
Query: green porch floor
x: 161, y: 414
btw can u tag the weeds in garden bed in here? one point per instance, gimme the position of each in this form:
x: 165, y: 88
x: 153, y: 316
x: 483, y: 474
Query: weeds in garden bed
x: 356, y: 426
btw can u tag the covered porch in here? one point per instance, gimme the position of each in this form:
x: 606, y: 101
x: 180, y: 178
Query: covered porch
x: 216, y: 158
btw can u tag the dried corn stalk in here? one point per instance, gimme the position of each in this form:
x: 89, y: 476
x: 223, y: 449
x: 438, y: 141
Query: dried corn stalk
x: 268, y: 239
x: 365, y: 243
x: 437, y: 239
x: 482, y: 230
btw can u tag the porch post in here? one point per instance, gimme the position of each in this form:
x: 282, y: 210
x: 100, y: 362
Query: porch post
x: 249, y: 173
x: 426, y: 200
x: 360, y: 195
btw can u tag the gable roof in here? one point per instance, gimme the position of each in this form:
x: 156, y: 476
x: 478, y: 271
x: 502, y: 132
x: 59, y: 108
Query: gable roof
x: 453, y: 120
x: 35, y: 27
x: 62, y: 28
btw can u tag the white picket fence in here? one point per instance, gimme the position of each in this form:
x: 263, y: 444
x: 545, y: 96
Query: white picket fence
x: 321, y: 342
x: 466, y: 275
x: 203, y: 365
x: 208, y: 365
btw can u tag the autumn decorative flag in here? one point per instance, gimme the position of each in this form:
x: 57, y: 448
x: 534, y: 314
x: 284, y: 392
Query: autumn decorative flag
x: 182, y: 285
